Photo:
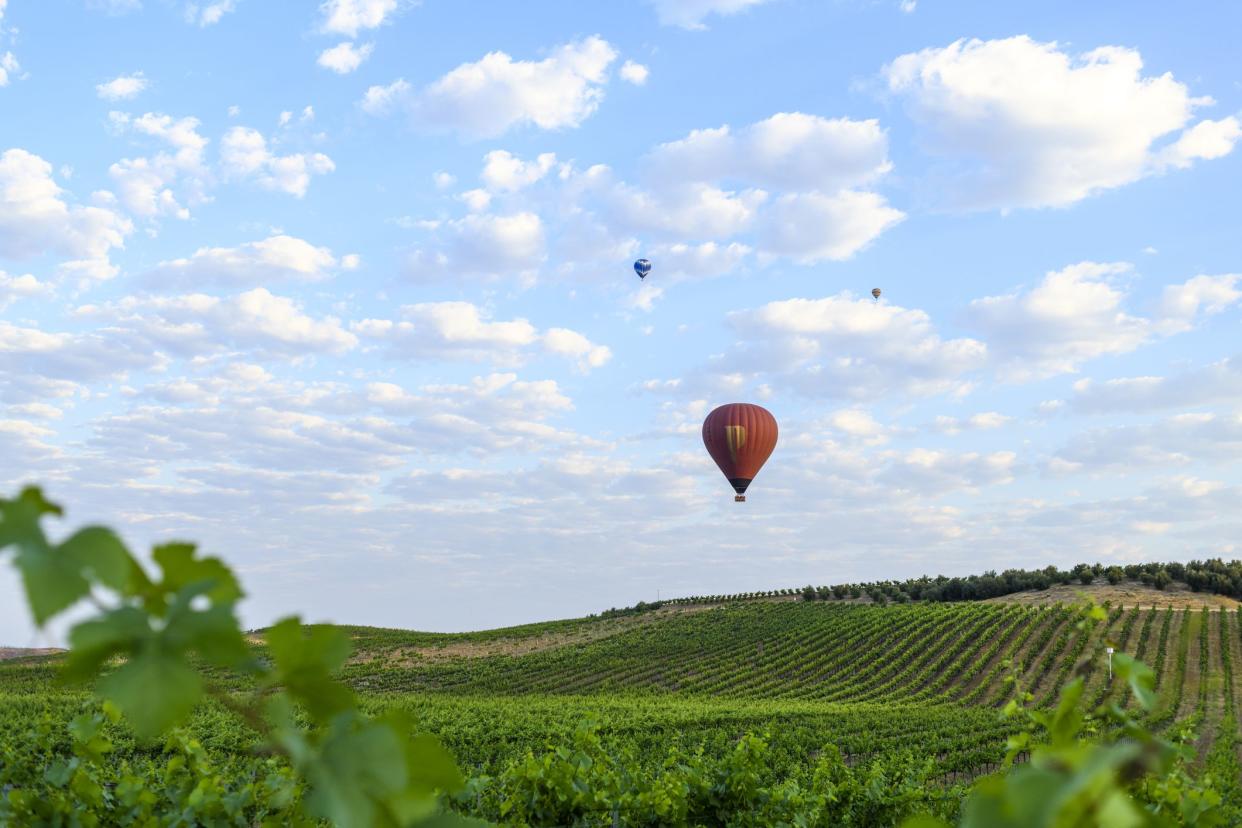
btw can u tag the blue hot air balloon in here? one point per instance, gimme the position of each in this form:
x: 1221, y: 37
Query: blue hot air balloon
x: 642, y: 267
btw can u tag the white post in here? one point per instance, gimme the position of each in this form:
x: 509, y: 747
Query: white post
x: 1110, y: 662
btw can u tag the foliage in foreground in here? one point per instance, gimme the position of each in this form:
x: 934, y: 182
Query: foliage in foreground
x: 156, y: 646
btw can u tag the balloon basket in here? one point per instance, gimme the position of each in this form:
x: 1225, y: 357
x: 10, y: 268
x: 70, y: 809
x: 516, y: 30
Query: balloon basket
x: 739, y: 498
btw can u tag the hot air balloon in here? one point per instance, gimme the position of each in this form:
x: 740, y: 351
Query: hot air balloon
x: 740, y: 438
x: 642, y: 267
x: 875, y: 294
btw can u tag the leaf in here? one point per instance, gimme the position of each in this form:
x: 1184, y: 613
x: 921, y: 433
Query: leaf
x: 98, y: 552
x: 93, y: 642
x: 19, y: 517
x: 180, y: 569
x: 432, y: 767
x: 154, y: 690
x: 305, y: 658
x: 1141, y: 678
x: 213, y: 633
x: 53, y: 582
x: 358, y: 770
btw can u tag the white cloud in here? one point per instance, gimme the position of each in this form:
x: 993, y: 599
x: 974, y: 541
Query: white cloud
x: 345, y: 57
x: 1181, y: 305
x: 444, y: 180
x: 1218, y: 383
x: 697, y: 261
x: 461, y: 330
x: 811, y: 227
x: 147, y: 185
x: 8, y: 66
x: 122, y: 87
x: 208, y: 14
x: 505, y: 172
x: 1179, y: 440
x: 1076, y: 314
x: 348, y: 17
x: 848, y: 348
x: 25, y: 286
x: 274, y: 259
x: 1205, y: 140
x: 984, y: 421
x: 634, y: 73
x: 496, y: 93
x: 564, y: 342
x: 790, y: 150
x: 244, y: 154
x: 380, y: 100
x: 482, y: 245
x: 1072, y: 316
x: 689, y: 14
x: 199, y: 324
x: 1031, y: 125
x: 35, y: 219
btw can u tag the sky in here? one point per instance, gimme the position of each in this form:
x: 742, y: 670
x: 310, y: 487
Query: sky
x: 343, y: 292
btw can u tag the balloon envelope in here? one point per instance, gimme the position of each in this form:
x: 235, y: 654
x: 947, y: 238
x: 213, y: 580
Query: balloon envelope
x: 642, y: 267
x: 740, y: 438
x: 875, y: 292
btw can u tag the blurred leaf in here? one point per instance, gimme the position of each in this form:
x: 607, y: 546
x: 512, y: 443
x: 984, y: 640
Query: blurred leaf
x: 305, y: 658
x: 53, y: 581
x: 154, y: 690
x: 180, y: 569
x: 93, y: 642
x: 1141, y: 678
x: 98, y: 552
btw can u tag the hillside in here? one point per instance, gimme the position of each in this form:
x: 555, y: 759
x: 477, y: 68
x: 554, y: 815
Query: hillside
x: 823, y: 652
x: 872, y: 682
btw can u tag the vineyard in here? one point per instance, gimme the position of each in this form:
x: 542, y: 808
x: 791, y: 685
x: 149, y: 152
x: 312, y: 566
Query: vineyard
x: 905, y: 693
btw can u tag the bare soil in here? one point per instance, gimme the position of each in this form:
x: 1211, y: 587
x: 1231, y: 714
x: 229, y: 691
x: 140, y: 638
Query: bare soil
x: 7, y: 653
x: 1126, y: 594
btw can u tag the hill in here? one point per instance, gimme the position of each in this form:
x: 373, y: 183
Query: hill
x: 908, y: 693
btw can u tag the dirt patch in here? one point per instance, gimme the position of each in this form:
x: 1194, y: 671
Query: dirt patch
x: 519, y: 646
x: 7, y: 653
x: 1126, y: 594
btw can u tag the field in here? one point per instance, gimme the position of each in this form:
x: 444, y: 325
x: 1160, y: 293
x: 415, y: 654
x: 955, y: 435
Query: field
x: 908, y: 693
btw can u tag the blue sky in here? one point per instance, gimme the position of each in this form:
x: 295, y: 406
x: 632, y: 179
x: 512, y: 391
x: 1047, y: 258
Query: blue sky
x: 343, y: 291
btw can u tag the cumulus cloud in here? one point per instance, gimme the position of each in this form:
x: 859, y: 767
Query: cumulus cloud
x: 8, y: 66
x: 25, y: 286
x: 1077, y: 314
x: 690, y: 14
x: 208, y: 14
x: 634, y: 73
x: 122, y: 87
x: 790, y: 150
x: 1217, y: 383
x: 505, y: 172
x: 195, y: 324
x: 461, y: 330
x: 1176, y: 441
x: 348, y: 17
x: 811, y: 227
x: 244, y: 154
x: 844, y: 347
x: 497, y: 93
x: 35, y: 219
x: 277, y: 258
x: 159, y: 184
x: 1026, y: 124
x: 482, y: 245
x: 345, y: 57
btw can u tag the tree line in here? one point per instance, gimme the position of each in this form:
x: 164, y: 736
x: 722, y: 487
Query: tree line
x: 1213, y: 575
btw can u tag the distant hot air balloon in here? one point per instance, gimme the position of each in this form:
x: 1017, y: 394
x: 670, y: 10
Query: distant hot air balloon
x: 740, y: 438
x: 642, y: 267
x: 875, y: 294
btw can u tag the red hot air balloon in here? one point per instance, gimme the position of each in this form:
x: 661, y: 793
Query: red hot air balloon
x: 740, y: 438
